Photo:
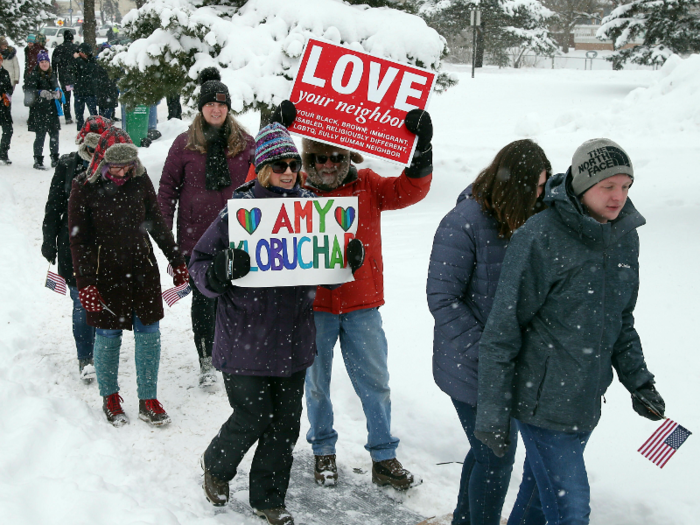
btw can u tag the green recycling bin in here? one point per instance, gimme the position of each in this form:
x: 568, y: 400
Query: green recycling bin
x: 137, y: 123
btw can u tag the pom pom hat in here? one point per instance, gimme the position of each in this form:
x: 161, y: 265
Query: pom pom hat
x: 274, y: 143
x: 596, y: 160
x: 114, y: 147
x: 43, y: 55
x: 212, y: 89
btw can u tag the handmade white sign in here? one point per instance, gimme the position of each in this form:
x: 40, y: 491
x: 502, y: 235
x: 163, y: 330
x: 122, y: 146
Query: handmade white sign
x: 293, y: 242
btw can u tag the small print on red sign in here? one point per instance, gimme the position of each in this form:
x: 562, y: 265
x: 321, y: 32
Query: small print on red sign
x: 358, y: 101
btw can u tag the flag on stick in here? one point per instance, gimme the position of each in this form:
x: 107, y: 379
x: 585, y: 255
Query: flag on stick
x: 55, y: 282
x: 173, y: 295
x: 664, y: 442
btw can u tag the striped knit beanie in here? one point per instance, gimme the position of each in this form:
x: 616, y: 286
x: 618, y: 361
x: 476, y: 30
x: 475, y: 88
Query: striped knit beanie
x: 274, y: 143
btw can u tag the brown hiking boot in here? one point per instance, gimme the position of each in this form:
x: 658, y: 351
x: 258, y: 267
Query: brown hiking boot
x: 215, y: 491
x: 276, y: 516
x: 325, y: 471
x: 391, y: 472
x: 112, y: 407
x: 151, y: 411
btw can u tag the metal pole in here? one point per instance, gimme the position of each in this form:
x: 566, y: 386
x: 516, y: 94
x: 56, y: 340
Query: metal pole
x: 475, y: 21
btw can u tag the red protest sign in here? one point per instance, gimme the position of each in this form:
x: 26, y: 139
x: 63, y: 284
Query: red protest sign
x: 358, y: 101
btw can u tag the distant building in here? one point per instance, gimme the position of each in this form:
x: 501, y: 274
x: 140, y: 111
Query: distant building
x: 585, y: 39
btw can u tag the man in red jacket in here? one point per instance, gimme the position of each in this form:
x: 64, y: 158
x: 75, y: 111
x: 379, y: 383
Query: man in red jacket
x: 350, y: 312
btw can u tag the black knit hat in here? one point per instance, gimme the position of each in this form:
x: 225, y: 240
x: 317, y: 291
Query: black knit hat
x: 85, y: 48
x: 68, y: 35
x: 212, y: 89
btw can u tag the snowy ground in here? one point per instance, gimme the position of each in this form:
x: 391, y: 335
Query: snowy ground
x: 60, y: 462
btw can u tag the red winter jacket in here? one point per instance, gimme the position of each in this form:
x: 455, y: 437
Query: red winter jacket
x: 375, y: 194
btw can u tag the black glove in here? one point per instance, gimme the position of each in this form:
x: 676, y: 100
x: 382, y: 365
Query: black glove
x: 284, y: 114
x: 49, y: 253
x: 419, y: 123
x: 498, y: 442
x: 355, y: 253
x: 647, y: 402
x: 228, y: 264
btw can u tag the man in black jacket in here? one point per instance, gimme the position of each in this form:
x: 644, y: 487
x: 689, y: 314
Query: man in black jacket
x: 65, y: 67
x: 87, y: 72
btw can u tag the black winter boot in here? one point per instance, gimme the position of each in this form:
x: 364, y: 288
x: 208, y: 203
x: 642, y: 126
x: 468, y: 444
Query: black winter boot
x: 39, y: 163
x: 4, y: 160
x: 54, y: 160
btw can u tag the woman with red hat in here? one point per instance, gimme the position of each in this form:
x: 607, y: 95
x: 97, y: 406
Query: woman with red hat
x: 112, y: 209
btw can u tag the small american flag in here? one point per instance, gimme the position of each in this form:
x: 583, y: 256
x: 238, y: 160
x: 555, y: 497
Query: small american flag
x: 664, y: 442
x: 55, y: 282
x: 170, y: 270
x: 173, y: 295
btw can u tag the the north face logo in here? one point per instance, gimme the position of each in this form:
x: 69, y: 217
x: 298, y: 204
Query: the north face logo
x: 602, y: 159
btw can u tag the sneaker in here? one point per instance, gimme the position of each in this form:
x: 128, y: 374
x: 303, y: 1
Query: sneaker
x: 215, y: 491
x: 391, y: 472
x: 151, y: 411
x: 207, y: 373
x: 276, y: 516
x: 112, y: 407
x: 325, y: 471
x: 69, y: 120
x: 39, y: 163
x: 87, y: 370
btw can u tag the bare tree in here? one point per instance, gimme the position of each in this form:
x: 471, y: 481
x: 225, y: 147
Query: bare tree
x: 572, y: 12
x: 89, y: 23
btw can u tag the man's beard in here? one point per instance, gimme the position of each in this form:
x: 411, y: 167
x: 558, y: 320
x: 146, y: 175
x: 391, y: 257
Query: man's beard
x: 326, y: 179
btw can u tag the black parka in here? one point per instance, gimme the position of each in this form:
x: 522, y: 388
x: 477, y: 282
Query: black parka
x: 43, y: 113
x: 64, y: 63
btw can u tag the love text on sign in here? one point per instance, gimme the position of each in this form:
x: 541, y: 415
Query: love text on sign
x: 293, y: 242
x: 358, y: 101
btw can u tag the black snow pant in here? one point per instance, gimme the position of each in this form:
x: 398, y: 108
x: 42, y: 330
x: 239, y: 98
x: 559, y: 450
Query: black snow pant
x: 39, y: 142
x: 203, y: 320
x: 174, y: 107
x: 66, y: 106
x: 266, y: 410
x: 6, y: 137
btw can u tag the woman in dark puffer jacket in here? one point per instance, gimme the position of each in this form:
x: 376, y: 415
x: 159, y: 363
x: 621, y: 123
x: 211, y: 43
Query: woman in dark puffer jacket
x: 204, y: 167
x: 465, y: 265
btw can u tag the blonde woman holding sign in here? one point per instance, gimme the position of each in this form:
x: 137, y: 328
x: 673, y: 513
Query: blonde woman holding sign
x: 265, y: 340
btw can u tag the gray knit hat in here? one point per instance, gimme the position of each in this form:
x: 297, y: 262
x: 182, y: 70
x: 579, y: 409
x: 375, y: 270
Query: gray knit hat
x: 596, y: 160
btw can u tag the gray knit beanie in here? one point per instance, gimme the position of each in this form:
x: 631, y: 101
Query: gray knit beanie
x: 596, y: 160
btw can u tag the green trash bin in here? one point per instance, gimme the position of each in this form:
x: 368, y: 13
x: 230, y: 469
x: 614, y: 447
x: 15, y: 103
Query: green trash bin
x: 137, y: 123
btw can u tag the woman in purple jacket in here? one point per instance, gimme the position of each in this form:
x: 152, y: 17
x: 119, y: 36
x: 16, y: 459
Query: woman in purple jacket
x: 465, y: 265
x: 204, y: 167
x: 265, y: 340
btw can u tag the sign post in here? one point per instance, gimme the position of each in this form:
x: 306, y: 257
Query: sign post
x: 474, y: 21
x: 357, y: 101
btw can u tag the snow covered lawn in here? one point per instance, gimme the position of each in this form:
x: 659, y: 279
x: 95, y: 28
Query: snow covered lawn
x: 61, y: 462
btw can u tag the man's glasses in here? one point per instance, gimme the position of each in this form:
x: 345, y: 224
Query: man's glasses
x: 336, y: 158
x: 280, y: 166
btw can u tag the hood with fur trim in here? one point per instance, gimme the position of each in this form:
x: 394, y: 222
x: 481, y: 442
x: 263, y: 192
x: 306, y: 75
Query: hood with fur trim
x: 310, y: 148
x: 114, y: 147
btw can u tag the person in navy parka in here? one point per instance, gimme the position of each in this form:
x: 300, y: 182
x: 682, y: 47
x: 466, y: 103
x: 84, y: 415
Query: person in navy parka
x: 465, y: 264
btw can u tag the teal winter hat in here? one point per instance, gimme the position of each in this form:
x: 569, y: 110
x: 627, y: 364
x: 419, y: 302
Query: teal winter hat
x: 274, y: 143
x: 31, y: 38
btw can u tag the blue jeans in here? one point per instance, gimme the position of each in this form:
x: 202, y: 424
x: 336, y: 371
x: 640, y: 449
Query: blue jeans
x: 146, y: 355
x: 79, y: 105
x: 485, y: 477
x: 83, y: 333
x: 555, y: 485
x: 364, y: 348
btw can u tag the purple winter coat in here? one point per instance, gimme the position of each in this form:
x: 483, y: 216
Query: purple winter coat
x: 184, y: 181
x: 259, y: 331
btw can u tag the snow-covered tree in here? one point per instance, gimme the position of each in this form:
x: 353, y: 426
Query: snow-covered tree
x: 666, y: 27
x: 257, y: 45
x: 18, y: 18
x: 509, y: 28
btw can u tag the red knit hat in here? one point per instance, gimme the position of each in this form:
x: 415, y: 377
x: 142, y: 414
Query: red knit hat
x: 114, y: 147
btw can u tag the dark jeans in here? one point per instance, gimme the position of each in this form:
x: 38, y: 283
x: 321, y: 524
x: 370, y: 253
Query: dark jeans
x: 555, y: 485
x: 39, y: 143
x: 6, y: 137
x: 107, y: 112
x: 83, y: 333
x: 66, y: 106
x: 203, y: 320
x: 485, y: 477
x: 266, y: 410
x: 80, y: 102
